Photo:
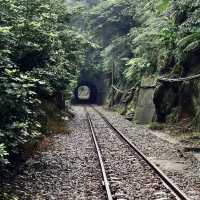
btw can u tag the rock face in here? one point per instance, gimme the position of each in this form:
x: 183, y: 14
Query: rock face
x: 178, y: 101
x: 165, y: 102
x: 165, y: 99
x: 137, y: 103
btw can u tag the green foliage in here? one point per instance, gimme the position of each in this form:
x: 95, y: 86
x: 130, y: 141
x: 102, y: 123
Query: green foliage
x: 156, y: 126
x: 19, y: 108
x: 188, y: 40
x: 110, y: 19
x: 146, y: 38
x: 116, y: 53
x: 161, y: 5
x: 40, y: 56
x: 128, y: 30
x: 108, y: 24
x: 137, y: 67
x: 160, y: 33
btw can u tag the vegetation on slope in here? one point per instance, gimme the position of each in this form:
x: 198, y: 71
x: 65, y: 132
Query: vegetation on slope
x: 151, y: 38
x: 40, y: 57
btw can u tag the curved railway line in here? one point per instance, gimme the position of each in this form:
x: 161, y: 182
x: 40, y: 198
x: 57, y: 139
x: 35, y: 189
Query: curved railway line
x: 140, y: 179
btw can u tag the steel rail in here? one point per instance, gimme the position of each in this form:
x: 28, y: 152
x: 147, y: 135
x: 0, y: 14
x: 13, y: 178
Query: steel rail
x: 171, y: 185
x: 105, y: 179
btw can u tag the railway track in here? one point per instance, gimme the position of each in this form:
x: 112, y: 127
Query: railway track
x: 127, y: 173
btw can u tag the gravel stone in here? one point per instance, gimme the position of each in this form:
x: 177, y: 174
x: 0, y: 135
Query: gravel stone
x: 167, y: 153
x: 137, y: 179
x: 68, y: 171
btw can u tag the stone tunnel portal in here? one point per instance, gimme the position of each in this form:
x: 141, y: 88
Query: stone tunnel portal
x: 85, y: 93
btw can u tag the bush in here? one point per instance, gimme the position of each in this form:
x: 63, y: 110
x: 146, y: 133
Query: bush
x: 39, y: 57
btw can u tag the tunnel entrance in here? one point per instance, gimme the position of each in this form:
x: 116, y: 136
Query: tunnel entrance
x: 85, y: 93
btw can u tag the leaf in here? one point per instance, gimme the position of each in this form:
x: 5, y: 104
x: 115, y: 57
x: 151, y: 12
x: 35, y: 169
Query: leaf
x: 42, y: 82
x: 5, y: 29
x: 10, y: 91
x: 10, y: 71
x: 188, y: 39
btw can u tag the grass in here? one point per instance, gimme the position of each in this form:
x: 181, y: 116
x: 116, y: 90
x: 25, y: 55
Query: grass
x: 192, y: 138
x: 156, y: 126
x: 185, y: 134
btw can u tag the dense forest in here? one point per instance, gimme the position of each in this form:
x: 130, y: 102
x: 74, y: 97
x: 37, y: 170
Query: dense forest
x: 46, y: 43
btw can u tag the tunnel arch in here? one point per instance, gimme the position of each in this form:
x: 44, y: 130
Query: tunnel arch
x: 93, y: 93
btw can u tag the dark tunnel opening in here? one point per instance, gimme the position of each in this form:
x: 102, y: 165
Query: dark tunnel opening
x: 85, y: 93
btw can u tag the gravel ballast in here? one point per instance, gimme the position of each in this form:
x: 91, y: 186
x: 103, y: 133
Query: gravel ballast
x: 68, y: 171
x: 181, y: 167
x: 131, y: 177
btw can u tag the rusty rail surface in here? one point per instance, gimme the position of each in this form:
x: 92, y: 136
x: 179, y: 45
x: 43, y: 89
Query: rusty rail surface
x: 105, y: 178
x: 171, y: 185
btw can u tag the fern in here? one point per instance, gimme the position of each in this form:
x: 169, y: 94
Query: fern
x: 136, y: 67
x: 184, y: 42
x: 192, y: 46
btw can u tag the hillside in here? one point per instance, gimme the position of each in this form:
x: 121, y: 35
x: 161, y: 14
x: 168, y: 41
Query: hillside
x: 148, y: 41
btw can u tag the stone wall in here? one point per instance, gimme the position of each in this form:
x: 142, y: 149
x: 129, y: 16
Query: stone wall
x: 145, y: 108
